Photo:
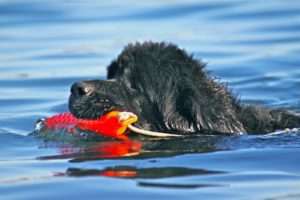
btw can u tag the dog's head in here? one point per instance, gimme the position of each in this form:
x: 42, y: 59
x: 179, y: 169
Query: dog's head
x: 142, y: 71
x: 160, y: 83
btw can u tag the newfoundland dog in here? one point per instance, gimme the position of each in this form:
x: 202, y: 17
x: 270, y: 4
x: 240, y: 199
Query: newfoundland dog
x: 170, y: 91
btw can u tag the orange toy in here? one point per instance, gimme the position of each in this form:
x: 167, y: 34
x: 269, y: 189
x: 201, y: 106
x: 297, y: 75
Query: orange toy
x: 113, y: 124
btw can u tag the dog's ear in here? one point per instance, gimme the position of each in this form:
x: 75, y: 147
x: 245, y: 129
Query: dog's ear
x: 195, y: 113
x: 186, y: 115
x: 213, y: 117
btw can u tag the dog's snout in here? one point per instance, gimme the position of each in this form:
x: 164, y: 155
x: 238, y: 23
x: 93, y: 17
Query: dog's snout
x: 82, y: 88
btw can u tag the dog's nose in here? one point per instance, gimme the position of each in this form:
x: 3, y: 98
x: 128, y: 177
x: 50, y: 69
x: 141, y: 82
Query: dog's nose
x: 82, y: 88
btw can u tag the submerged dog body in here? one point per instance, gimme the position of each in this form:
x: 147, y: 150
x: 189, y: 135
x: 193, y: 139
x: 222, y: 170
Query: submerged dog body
x: 171, y: 91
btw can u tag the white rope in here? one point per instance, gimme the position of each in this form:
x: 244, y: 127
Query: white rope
x: 151, y: 133
x: 123, y: 116
x: 287, y: 130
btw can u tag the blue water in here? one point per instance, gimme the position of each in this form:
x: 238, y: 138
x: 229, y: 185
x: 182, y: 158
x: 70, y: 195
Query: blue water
x: 45, y: 46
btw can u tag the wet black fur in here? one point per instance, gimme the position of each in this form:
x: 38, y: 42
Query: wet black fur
x: 171, y: 91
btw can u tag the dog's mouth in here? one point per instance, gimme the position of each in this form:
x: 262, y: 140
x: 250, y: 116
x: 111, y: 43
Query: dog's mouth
x: 106, y: 106
x: 92, y: 100
x: 88, y: 109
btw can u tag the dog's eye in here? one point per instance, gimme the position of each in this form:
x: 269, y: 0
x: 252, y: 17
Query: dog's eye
x: 112, y: 70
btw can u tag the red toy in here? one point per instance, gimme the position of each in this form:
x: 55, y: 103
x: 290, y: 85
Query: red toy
x: 112, y: 124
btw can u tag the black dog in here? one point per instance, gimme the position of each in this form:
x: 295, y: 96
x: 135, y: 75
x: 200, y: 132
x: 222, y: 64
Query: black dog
x: 170, y: 91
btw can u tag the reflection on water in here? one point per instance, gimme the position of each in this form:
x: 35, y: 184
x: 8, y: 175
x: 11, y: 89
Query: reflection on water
x: 48, y: 45
x: 96, y: 150
x: 134, y: 172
